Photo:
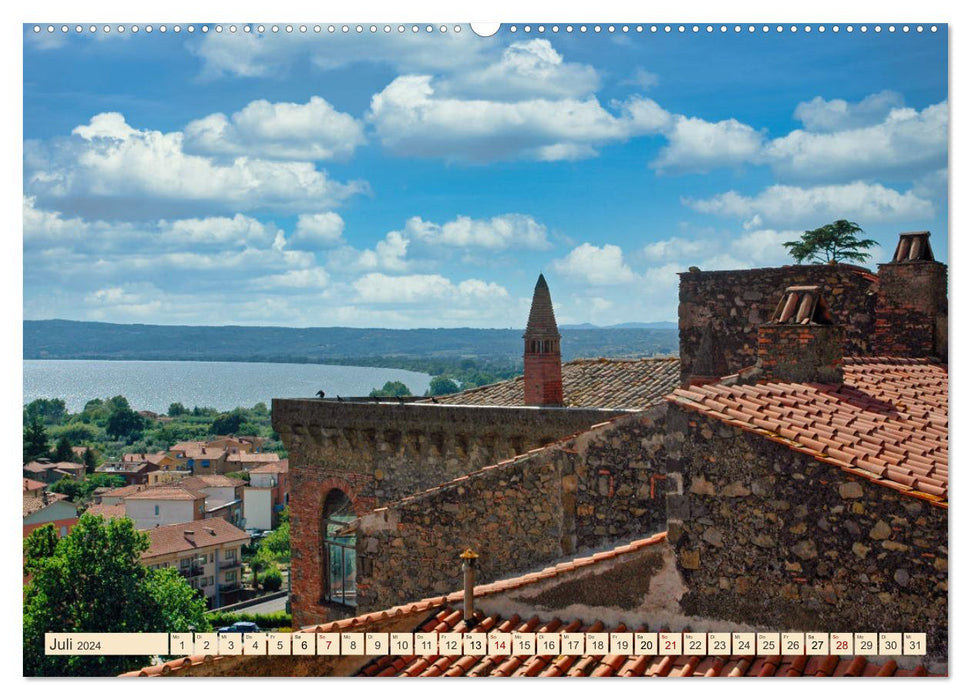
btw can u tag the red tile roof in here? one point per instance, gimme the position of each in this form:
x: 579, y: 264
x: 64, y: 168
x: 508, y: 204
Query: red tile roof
x: 167, y: 493
x: 172, y: 539
x: 600, y: 383
x: 888, y: 422
x: 125, y: 491
x: 253, y: 457
x: 198, y: 483
x: 32, y: 504
x: 116, y: 510
x: 608, y: 665
x: 275, y: 468
x: 33, y: 485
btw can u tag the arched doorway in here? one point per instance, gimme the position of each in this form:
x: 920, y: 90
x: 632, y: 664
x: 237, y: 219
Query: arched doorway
x: 340, y: 551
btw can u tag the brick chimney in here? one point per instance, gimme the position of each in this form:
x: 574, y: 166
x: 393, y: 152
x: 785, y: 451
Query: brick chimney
x: 801, y: 342
x: 542, y: 371
x: 911, y: 316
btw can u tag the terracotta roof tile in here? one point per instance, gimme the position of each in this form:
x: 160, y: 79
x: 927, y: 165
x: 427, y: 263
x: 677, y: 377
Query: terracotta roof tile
x: 32, y: 504
x: 107, y: 511
x: 599, y: 383
x: 887, y: 422
x: 170, y: 539
x: 33, y: 485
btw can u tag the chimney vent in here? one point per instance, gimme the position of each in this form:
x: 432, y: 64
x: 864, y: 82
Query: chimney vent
x: 469, y: 559
x: 801, y: 342
x: 913, y: 246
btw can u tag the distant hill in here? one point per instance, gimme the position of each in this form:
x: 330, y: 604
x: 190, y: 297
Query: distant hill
x: 629, y: 324
x: 63, y: 340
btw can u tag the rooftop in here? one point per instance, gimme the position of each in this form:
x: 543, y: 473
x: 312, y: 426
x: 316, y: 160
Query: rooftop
x: 108, y: 511
x: 279, y: 467
x: 32, y: 504
x: 184, y: 537
x: 166, y: 493
x: 598, y: 383
x: 33, y: 485
x: 888, y: 421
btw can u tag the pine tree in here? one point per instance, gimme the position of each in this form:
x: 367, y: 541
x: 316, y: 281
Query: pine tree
x: 831, y: 244
x: 35, y: 441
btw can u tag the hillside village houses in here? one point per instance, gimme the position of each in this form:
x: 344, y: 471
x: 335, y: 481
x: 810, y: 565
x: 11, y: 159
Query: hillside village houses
x: 789, y: 474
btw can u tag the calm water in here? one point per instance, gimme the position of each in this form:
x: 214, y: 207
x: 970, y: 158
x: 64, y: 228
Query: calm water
x: 153, y: 386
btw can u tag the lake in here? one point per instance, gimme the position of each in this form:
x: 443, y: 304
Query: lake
x: 152, y: 386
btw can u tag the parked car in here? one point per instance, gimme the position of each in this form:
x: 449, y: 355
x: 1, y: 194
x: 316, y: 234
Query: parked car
x: 240, y: 627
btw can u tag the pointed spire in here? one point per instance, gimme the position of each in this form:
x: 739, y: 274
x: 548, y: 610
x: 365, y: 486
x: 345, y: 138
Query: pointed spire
x: 542, y: 322
x: 542, y: 373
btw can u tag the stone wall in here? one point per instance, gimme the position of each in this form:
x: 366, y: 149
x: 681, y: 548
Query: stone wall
x: 720, y: 312
x: 377, y: 453
x: 602, y: 486
x: 770, y: 537
x: 911, y: 318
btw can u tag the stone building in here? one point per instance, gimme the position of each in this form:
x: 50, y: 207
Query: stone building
x: 796, y: 457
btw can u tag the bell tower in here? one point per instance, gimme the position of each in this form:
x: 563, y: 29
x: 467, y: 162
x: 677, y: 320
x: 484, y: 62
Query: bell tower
x: 542, y: 371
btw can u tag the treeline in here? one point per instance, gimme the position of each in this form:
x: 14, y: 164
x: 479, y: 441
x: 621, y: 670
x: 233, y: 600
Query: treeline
x: 378, y: 347
x: 108, y: 428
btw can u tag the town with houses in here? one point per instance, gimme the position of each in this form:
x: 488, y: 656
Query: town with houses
x: 197, y: 517
x: 788, y: 471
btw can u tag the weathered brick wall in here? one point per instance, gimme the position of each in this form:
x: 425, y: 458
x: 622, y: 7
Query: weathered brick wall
x: 770, y: 537
x: 378, y: 453
x: 797, y: 353
x: 602, y: 486
x: 911, y: 315
x: 720, y: 312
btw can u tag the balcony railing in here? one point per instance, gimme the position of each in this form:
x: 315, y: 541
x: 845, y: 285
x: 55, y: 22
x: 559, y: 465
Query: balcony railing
x: 191, y: 572
x: 230, y: 564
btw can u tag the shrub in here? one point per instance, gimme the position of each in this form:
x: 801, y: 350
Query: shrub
x: 271, y: 579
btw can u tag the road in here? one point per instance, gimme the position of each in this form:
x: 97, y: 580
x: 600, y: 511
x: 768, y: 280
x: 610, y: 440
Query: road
x: 269, y: 606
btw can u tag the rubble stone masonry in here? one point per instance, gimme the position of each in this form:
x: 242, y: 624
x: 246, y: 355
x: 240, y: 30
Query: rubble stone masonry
x: 770, y: 537
x: 376, y: 453
x: 603, y: 486
x: 720, y: 312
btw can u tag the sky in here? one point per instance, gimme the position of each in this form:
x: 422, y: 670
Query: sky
x: 426, y: 179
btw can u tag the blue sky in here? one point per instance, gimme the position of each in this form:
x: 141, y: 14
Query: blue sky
x: 425, y: 180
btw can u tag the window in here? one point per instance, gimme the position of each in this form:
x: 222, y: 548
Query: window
x: 205, y: 462
x: 184, y: 563
x: 340, y: 551
x: 229, y: 555
x: 156, y: 510
x: 230, y: 577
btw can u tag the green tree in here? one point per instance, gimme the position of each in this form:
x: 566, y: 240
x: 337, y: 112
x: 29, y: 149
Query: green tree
x: 35, y: 441
x: 391, y: 389
x: 47, y: 411
x: 63, y: 451
x: 39, y: 545
x: 177, y: 409
x: 271, y: 579
x: 441, y: 385
x: 227, y: 423
x: 90, y: 461
x: 124, y: 423
x: 94, y: 582
x: 831, y: 243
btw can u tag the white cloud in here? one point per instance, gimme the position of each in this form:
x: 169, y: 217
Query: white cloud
x: 594, y: 265
x: 498, y: 233
x: 310, y: 278
x: 807, y: 207
x: 906, y: 143
x: 526, y: 69
x: 642, y: 78
x: 317, y: 230
x: 411, y: 118
x: 112, y: 170
x: 378, y: 288
x: 251, y: 55
x: 696, y: 145
x: 282, y: 130
x: 388, y: 254
x: 838, y: 115
x: 673, y: 249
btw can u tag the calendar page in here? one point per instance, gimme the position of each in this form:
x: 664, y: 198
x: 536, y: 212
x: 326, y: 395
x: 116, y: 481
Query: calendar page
x: 514, y: 349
